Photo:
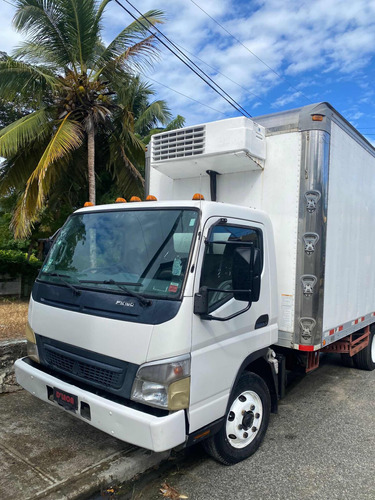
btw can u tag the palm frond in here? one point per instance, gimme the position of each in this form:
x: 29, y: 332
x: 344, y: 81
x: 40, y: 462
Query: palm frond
x: 24, y: 131
x: 44, y: 24
x: 17, y: 77
x: 27, y: 212
x: 133, y: 42
x: 127, y: 177
x: 33, y: 53
x: 156, y: 112
x: 176, y: 123
x: 68, y: 137
x: 80, y: 31
x: 16, y: 170
x: 100, y: 12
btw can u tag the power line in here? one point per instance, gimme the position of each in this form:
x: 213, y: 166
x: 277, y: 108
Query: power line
x: 10, y: 3
x: 234, y: 104
x: 225, y: 76
x: 237, y: 105
x: 184, y: 95
x: 251, y: 52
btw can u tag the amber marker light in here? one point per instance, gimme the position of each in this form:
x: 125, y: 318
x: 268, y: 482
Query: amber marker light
x: 135, y: 198
x: 317, y: 118
x: 178, y: 370
x: 198, y: 196
x: 120, y: 200
x: 88, y: 204
x: 150, y: 197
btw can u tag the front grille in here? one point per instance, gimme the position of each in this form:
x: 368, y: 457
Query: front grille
x: 87, y: 370
x: 178, y: 144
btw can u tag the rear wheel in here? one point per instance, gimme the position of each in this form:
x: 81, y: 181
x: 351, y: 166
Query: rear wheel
x: 365, y: 359
x: 245, y: 423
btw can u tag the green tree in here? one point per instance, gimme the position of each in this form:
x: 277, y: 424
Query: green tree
x: 79, y: 89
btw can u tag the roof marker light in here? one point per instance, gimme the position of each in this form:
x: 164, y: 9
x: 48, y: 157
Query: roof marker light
x: 198, y: 196
x: 135, y: 198
x: 120, y: 200
x: 150, y: 197
x: 88, y: 204
x: 317, y: 118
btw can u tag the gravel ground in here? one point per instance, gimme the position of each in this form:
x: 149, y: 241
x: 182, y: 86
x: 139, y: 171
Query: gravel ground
x: 13, y: 318
x: 320, y: 446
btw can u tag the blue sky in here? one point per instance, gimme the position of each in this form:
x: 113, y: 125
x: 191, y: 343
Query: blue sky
x: 321, y: 50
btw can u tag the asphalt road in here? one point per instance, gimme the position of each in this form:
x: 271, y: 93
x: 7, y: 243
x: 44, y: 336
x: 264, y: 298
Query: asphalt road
x: 321, y: 445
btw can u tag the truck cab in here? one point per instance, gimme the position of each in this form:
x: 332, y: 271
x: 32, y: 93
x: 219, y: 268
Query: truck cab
x: 145, y: 315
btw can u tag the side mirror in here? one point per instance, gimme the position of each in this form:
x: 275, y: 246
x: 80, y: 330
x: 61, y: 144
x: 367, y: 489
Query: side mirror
x: 246, y: 271
x: 201, y: 301
x: 45, y: 245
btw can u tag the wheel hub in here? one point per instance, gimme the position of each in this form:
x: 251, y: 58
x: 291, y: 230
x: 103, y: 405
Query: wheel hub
x: 244, y: 419
x: 247, y: 420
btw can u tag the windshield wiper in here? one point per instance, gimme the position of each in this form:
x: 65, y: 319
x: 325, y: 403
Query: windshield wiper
x: 62, y: 276
x: 119, y: 284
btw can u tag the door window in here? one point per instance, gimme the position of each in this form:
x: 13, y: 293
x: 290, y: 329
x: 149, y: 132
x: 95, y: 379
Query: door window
x: 218, y: 259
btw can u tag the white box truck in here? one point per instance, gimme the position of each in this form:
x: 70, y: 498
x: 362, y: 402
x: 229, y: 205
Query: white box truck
x: 170, y: 322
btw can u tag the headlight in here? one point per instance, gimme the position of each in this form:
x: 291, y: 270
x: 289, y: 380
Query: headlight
x: 164, y: 384
x: 32, y: 349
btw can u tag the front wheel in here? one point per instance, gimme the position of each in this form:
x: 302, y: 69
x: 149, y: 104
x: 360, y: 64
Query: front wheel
x: 245, y: 423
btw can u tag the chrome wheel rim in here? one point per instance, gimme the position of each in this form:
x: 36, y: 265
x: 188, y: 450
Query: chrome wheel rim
x: 244, y: 419
x: 373, y: 349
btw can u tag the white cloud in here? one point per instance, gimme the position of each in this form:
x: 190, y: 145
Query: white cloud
x: 322, y: 48
x: 9, y: 38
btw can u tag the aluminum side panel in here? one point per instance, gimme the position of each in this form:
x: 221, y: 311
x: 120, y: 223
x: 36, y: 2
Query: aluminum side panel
x: 350, y: 262
x: 309, y: 285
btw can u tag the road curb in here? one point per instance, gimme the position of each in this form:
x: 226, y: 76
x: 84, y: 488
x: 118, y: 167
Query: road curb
x: 120, y: 467
x: 10, y: 350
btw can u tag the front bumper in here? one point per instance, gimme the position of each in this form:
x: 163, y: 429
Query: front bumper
x: 122, y: 422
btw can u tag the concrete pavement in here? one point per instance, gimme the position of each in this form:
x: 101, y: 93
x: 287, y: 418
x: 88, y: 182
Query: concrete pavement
x: 320, y: 446
x: 47, y: 453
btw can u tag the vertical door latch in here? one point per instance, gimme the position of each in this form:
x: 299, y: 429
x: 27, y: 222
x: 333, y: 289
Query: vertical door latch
x: 312, y: 197
x: 308, y: 282
x: 310, y: 240
x: 307, y: 327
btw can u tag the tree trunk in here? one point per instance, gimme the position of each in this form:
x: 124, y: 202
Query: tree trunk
x: 91, y: 163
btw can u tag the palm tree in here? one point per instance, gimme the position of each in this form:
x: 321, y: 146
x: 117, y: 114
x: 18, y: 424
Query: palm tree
x: 76, y: 86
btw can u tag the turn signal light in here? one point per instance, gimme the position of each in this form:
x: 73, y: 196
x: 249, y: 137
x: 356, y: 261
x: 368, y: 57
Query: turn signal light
x: 120, y: 200
x: 135, y: 198
x: 198, y: 196
x: 88, y: 204
x: 150, y: 197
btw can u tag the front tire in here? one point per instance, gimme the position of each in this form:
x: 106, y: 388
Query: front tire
x: 365, y: 359
x: 245, y: 423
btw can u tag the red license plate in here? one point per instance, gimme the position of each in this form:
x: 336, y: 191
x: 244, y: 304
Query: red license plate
x: 68, y: 401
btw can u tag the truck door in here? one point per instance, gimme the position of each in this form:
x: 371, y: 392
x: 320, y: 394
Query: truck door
x: 220, y: 347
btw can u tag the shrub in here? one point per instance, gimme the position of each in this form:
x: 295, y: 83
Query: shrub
x: 15, y: 263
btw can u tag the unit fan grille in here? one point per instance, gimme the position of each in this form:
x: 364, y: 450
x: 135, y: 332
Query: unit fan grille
x: 179, y: 144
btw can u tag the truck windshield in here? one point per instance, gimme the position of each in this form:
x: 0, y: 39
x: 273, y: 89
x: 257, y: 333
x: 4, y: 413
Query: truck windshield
x: 146, y: 251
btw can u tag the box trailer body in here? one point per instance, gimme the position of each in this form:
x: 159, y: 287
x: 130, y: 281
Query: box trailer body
x: 315, y: 179
x: 171, y: 321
